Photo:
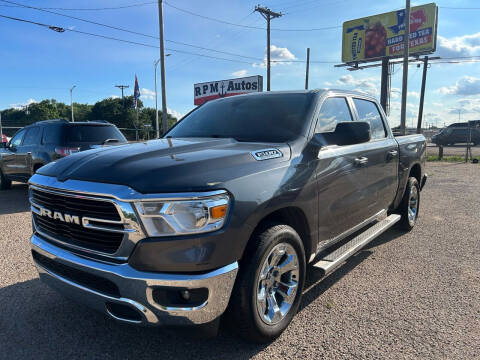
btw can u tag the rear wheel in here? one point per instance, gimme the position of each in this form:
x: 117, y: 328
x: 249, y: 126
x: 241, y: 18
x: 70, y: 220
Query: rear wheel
x: 4, y: 182
x: 410, y: 205
x: 268, y: 290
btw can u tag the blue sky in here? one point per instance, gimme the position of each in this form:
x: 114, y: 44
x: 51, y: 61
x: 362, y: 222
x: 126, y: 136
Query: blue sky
x: 37, y: 63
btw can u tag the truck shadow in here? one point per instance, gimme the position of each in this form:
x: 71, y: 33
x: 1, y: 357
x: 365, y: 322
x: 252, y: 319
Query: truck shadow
x: 36, y: 322
x: 14, y: 200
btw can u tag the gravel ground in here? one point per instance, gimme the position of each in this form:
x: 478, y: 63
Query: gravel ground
x: 413, y: 295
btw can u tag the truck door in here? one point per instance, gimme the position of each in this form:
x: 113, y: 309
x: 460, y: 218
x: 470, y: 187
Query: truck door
x: 11, y: 166
x: 341, y: 180
x: 381, y: 154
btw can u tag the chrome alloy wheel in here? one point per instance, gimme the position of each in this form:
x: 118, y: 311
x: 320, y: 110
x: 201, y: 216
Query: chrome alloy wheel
x: 277, y: 284
x: 412, y: 205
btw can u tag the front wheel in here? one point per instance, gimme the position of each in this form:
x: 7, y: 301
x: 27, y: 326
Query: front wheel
x: 410, y: 205
x: 268, y: 290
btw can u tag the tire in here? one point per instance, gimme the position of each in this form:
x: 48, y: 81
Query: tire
x: 410, y: 205
x: 259, y: 285
x: 4, y: 182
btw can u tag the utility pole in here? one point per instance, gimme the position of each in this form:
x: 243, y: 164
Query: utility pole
x: 268, y: 15
x: 1, y: 131
x: 122, y: 87
x: 406, y: 43
x: 385, y: 84
x: 422, y: 95
x: 71, y: 101
x: 308, y: 68
x: 155, y: 63
x: 162, y: 67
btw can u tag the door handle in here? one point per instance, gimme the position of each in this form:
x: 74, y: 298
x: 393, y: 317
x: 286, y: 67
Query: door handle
x: 392, y: 154
x: 361, y: 161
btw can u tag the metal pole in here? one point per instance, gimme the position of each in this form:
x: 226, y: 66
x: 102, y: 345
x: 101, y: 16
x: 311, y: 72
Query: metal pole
x: 268, y: 52
x: 384, y: 84
x: 162, y: 67
x: 71, y: 101
x: 1, y: 131
x: 422, y: 95
x: 156, y: 100
x: 406, y: 44
x: 308, y: 68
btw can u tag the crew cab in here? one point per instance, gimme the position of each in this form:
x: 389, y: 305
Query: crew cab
x: 45, y: 141
x: 224, y: 214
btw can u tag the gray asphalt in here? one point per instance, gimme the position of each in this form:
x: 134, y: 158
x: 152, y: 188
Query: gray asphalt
x: 413, y: 295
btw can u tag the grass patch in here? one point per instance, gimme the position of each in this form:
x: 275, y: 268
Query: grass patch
x: 454, y: 158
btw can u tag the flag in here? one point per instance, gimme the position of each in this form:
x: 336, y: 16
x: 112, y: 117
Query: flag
x: 136, y: 93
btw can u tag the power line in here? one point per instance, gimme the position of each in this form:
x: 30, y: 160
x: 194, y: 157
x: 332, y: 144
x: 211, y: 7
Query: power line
x: 134, y: 32
x: 246, y: 26
x: 92, y: 9
x: 120, y: 40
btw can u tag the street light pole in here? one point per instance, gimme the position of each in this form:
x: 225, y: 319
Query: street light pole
x: 155, y: 63
x: 71, y: 101
x: 162, y: 66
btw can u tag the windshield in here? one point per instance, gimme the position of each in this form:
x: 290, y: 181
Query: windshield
x: 272, y: 118
x: 96, y: 134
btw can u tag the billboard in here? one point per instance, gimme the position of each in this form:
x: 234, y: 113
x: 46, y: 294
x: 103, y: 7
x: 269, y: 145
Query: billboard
x: 207, y: 91
x: 382, y: 35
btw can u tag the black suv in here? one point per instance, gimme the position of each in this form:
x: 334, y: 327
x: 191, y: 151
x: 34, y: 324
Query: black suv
x: 457, y: 134
x: 45, y: 141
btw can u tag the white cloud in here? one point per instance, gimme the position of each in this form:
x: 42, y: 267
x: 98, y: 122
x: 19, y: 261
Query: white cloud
x: 147, y: 94
x: 369, y: 85
x: 278, y: 56
x: 414, y: 94
x: 465, y: 86
x: 175, y: 113
x: 466, y: 45
x: 114, y: 97
x: 21, y: 106
x: 240, y: 73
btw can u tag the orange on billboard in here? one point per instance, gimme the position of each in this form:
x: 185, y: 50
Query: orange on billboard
x: 377, y: 36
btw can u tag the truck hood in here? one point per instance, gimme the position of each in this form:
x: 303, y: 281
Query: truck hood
x: 169, y: 165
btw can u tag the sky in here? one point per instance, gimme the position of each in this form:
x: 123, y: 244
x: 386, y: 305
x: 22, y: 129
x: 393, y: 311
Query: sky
x: 37, y: 63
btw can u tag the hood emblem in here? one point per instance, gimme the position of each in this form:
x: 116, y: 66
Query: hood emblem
x: 266, y: 154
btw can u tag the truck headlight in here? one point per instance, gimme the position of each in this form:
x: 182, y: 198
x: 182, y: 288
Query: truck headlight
x: 180, y: 217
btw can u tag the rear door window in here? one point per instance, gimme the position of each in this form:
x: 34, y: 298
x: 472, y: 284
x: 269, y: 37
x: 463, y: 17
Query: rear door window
x: 368, y: 111
x: 32, y: 137
x: 333, y: 111
x: 52, y: 135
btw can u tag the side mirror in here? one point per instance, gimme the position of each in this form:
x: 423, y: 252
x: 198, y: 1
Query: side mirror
x: 352, y: 132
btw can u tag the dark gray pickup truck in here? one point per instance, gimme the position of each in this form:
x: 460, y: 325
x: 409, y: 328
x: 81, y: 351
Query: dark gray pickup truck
x: 224, y: 213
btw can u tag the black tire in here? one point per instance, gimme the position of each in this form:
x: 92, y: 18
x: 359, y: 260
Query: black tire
x: 408, y: 221
x: 4, y: 182
x: 244, y: 311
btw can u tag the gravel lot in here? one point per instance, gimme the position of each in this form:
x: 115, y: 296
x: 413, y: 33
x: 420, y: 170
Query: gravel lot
x: 455, y: 150
x: 413, y: 295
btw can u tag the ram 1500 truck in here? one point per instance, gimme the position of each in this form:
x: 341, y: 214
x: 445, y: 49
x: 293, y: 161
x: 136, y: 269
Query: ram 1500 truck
x: 224, y: 213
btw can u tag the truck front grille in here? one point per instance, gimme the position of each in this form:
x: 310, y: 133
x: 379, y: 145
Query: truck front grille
x: 76, y: 234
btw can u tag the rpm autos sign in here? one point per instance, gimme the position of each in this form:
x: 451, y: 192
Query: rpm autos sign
x: 204, y: 92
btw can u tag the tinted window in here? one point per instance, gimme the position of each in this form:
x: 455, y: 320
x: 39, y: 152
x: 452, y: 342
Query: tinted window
x: 260, y: 118
x: 32, y: 137
x: 51, y: 135
x: 368, y: 111
x: 333, y: 111
x: 92, y: 134
x: 17, y: 139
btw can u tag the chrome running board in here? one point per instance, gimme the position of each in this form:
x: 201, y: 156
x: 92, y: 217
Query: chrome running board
x: 334, y: 259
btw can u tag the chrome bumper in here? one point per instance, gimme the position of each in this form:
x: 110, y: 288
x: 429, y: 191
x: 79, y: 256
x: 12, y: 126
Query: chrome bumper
x: 136, y: 288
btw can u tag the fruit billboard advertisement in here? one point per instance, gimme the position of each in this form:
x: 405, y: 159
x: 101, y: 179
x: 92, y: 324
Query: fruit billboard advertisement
x: 382, y: 35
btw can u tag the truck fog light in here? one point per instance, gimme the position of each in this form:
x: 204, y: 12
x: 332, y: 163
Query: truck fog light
x: 185, y: 294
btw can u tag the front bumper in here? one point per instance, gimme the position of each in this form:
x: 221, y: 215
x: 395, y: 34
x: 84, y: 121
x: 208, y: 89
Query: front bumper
x: 134, y: 289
